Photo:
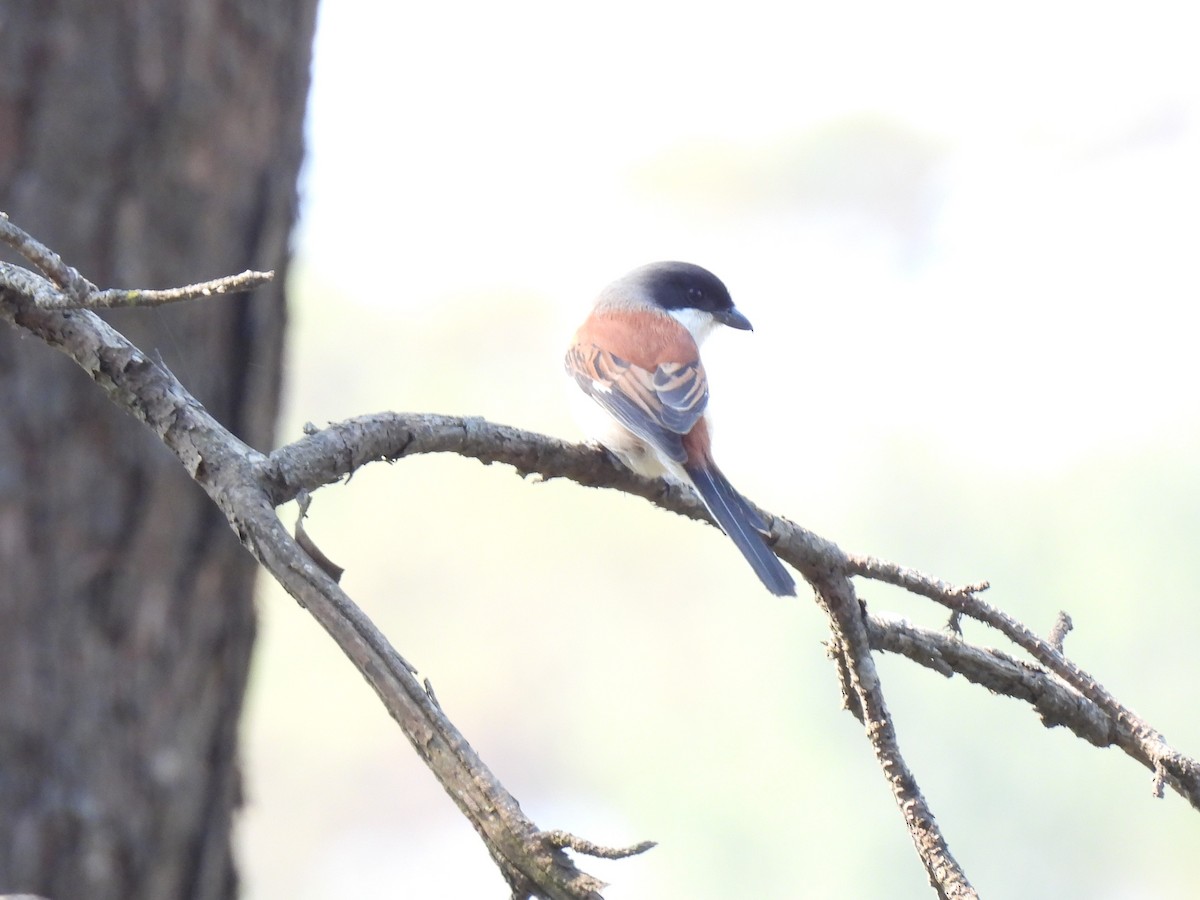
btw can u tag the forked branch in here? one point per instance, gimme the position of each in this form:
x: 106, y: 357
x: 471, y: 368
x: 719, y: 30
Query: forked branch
x: 247, y: 486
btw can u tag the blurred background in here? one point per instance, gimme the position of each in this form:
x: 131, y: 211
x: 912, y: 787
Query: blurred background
x: 966, y: 237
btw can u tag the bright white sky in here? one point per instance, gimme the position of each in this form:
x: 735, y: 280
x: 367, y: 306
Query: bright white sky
x: 1049, y: 302
x: 1032, y: 306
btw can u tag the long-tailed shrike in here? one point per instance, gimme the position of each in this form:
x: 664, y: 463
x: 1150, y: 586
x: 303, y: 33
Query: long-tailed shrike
x: 637, y: 356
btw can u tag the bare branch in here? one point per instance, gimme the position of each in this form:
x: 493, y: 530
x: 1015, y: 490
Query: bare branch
x: 836, y: 594
x: 338, y: 450
x: 51, y: 264
x: 29, y: 287
x: 228, y: 471
x: 67, y: 289
x: 117, y: 297
x: 1056, y: 703
x: 1182, y: 772
x: 247, y: 486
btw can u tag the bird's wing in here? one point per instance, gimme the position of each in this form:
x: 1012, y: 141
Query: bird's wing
x: 659, y: 407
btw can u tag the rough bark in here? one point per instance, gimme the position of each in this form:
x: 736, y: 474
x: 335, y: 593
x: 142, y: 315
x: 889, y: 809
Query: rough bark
x: 154, y: 143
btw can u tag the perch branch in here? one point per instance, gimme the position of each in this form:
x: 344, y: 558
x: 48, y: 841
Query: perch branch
x: 332, y: 453
x: 247, y: 486
x: 325, y: 456
x: 228, y: 471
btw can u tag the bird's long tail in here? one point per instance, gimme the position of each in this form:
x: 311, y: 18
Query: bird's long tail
x: 743, y: 525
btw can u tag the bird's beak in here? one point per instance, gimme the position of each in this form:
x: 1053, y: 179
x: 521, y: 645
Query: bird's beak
x: 733, y: 319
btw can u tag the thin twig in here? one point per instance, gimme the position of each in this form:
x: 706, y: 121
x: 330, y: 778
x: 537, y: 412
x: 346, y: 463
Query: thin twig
x: 230, y: 284
x: 564, y: 840
x: 76, y: 292
x: 1062, y: 627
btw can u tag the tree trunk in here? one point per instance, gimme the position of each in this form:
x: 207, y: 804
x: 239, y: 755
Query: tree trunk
x: 152, y: 143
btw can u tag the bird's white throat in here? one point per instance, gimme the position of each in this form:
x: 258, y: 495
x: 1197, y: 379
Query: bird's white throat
x: 698, y: 322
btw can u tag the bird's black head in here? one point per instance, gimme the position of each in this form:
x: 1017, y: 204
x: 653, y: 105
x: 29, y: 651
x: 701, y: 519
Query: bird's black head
x: 677, y: 286
x: 680, y: 285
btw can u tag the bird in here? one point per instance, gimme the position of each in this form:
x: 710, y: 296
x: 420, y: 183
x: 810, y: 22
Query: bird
x: 636, y: 359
